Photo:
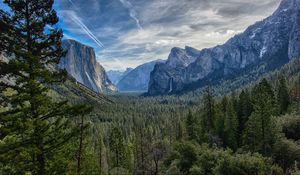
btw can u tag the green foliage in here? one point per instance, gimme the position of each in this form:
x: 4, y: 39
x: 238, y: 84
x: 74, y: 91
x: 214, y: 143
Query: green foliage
x: 208, y: 116
x: 286, y: 153
x: 192, y: 127
x: 134, y: 134
x: 244, y: 111
x: 231, y: 127
x: 187, y: 157
x: 291, y: 126
x: 117, y: 148
x: 200, y: 159
x: 33, y: 126
x: 283, y: 96
x: 259, y: 135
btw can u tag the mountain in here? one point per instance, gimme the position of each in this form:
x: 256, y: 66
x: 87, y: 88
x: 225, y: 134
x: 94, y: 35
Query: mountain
x: 70, y: 90
x: 138, y: 78
x: 80, y: 62
x: 116, y: 75
x: 272, y: 42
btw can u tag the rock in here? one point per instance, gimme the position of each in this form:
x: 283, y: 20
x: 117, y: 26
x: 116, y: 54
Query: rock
x: 274, y: 41
x: 80, y: 62
x: 116, y: 75
x: 138, y: 78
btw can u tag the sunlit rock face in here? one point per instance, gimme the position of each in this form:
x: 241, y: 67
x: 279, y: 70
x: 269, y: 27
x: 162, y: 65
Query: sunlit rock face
x: 273, y: 41
x: 80, y: 62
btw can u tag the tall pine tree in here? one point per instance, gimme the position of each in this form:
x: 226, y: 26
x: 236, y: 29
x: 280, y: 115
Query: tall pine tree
x: 244, y: 110
x: 191, y: 127
x: 34, y: 124
x: 283, y: 96
x: 231, y: 127
x: 117, y: 148
x: 259, y: 134
x: 209, y: 111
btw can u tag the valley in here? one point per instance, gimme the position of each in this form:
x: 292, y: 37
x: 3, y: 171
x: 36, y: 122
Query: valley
x: 71, y: 106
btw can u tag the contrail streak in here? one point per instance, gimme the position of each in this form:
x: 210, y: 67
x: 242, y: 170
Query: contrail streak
x: 85, y: 28
x: 132, y: 12
x: 72, y: 2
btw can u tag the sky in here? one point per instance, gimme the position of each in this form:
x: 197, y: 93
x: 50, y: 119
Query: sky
x: 127, y: 33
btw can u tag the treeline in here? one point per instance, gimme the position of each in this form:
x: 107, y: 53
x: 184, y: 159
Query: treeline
x: 253, y: 131
x: 247, y: 126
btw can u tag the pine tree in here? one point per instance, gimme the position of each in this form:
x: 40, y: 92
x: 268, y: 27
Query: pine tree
x: 231, y: 127
x: 117, y: 148
x: 221, y: 111
x: 244, y: 111
x: 82, y: 127
x: 259, y: 134
x: 209, y: 111
x: 283, y: 96
x: 34, y: 124
x: 191, y: 127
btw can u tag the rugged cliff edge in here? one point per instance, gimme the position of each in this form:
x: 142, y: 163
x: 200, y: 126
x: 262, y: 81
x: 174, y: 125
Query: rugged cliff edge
x: 273, y: 42
x: 80, y: 62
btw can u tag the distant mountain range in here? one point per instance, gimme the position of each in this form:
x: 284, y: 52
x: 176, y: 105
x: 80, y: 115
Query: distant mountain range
x: 116, y: 75
x: 272, y: 42
x: 80, y: 62
x: 266, y: 45
x: 133, y: 80
x: 138, y: 78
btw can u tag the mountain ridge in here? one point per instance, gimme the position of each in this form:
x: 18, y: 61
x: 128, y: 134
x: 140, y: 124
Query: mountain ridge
x: 274, y: 40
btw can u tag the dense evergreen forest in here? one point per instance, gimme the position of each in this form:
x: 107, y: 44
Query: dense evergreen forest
x: 251, y: 130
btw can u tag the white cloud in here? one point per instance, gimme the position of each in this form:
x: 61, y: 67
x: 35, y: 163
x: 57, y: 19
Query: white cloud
x: 168, y: 23
x: 132, y: 12
x: 226, y: 34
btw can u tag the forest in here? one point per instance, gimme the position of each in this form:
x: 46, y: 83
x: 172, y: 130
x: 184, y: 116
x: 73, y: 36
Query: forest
x: 250, y: 130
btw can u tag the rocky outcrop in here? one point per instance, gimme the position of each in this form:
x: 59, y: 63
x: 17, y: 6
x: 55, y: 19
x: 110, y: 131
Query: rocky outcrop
x: 273, y: 41
x: 80, y: 62
x: 138, y: 78
x: 294, y: 46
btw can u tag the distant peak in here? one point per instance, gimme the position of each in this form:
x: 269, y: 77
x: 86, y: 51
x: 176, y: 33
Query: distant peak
x: 176, y: 49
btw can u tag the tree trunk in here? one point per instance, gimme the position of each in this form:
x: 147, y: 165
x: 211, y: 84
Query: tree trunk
x: 79, y: 156
x: 100, y: 157
x: 156, y: 167
x: 41, y: 158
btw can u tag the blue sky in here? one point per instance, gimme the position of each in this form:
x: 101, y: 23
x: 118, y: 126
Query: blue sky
x: 127, y: 33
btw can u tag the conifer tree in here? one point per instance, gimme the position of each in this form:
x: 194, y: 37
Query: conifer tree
x: 283, y: 96
x: 259, y: 134
x: 231, y: 127
x: 220, y: 117
x: 244, y: 111
x: 34, y: 124
x: 117, y: 148
x: 209, y: 111
x: 191, y: 127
